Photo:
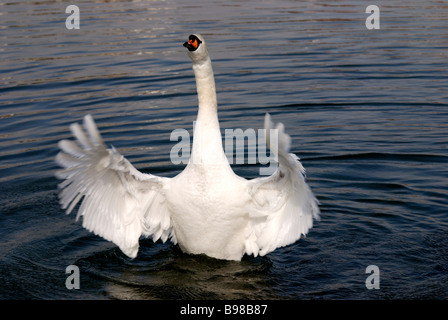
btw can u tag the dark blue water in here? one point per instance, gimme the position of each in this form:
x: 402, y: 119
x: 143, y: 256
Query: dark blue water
x: 367, y: 111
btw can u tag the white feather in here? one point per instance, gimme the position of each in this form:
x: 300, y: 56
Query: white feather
x: 114, y: 194
x: 284, y: 199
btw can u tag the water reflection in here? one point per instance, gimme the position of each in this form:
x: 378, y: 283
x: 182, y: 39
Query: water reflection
x: 168, y: 273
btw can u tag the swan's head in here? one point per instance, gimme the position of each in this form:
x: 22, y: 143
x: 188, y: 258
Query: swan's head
x: 197, y: 50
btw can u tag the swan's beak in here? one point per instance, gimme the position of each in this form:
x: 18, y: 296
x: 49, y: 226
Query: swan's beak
x: 193, y: 43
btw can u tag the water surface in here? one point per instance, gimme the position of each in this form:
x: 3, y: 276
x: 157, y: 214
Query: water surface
x: 366, y: 109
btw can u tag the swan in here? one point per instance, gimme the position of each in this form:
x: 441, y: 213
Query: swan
x: 205, y: 209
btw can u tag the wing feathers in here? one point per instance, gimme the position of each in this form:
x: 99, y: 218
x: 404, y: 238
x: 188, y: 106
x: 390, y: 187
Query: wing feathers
x: 92, y: 130
x: 81, y: 136
x: 117, y: 201
x: 283, y: 206
x: 121, y: 204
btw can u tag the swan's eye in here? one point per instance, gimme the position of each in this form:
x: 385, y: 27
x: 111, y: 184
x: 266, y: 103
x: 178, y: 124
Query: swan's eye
x: 193, y: 43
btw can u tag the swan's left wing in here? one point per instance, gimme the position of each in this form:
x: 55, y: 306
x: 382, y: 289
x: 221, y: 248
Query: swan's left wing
x: 119, y: 203
x: 282, y: 206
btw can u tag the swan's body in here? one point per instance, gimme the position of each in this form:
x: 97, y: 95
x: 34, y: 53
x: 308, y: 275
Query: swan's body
x: 207, y: 208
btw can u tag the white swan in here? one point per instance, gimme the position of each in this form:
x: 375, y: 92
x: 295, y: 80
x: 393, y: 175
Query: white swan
x: 206, y: 209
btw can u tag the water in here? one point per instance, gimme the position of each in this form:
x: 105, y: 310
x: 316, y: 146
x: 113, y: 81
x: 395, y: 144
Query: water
x: 366, y: 109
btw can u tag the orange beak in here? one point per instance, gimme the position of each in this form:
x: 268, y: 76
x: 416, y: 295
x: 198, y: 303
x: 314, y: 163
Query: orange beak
x: 194, y: 43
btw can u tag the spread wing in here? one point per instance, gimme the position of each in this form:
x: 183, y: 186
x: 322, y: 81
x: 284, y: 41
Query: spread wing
x: 283, y: 206
x: 118, y: 202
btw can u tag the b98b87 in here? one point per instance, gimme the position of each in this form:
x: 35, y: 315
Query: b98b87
x: 245, y: 309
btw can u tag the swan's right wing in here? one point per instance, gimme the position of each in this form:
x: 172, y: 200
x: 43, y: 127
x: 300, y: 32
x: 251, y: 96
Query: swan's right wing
x: 119, y: 203
x: 282, y: 206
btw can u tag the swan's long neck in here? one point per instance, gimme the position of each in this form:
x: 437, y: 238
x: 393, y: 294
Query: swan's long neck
x: 207, y: 140
x: 205, y: 84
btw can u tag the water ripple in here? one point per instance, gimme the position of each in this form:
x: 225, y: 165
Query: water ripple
x: 366, y: 111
